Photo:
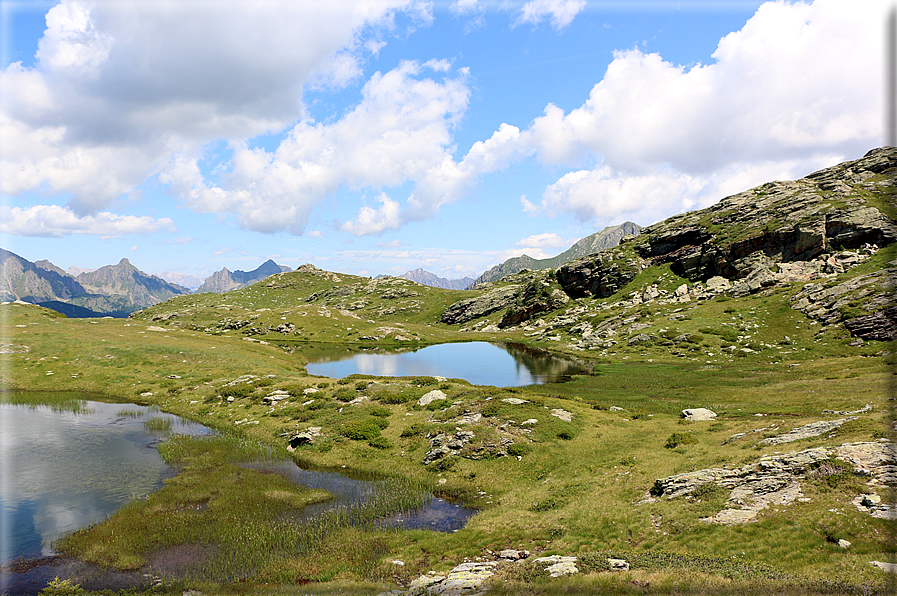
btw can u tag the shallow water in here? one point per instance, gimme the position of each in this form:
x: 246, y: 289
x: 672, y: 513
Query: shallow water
x: 480, y: 363
x: 65, y: 469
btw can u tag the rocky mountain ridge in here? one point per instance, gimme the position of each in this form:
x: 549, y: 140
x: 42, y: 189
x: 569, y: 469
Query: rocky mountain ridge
x: 606, y: 238
x: 427, y: 278
x: 226, y: 280
x: 115, y: 290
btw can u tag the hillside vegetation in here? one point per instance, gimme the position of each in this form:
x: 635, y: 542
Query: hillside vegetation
x: 773, y: 309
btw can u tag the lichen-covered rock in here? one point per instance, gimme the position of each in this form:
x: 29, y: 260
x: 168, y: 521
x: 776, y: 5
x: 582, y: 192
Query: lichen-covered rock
x: 480, y: 306
x: 698, y: 414
x: 599, y: 275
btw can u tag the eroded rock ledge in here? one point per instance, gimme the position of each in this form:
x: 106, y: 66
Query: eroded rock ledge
x: 775, y: 479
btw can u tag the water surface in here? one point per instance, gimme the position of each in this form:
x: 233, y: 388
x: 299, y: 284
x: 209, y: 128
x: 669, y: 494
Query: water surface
x: 480, y: 363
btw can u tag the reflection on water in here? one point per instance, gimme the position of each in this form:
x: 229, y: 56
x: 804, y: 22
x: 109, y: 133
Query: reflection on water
x: 66, y: 469
x: 481, y: 363
x: 435, y: 514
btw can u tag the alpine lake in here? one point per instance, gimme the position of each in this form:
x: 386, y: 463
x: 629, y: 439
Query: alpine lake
x: 71, y: 464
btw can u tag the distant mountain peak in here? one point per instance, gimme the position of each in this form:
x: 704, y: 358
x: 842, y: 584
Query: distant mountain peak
x: 606, y: 238
x: 226, y: 280
x: 423, y: 277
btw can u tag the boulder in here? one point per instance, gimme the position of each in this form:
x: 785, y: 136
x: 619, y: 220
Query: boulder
x: 430, y: 397
x: 617, y: 565
x: 698, y: 414
x: 558, y: 565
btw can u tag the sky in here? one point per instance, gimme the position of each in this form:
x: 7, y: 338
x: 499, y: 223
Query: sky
x: 378, y: 136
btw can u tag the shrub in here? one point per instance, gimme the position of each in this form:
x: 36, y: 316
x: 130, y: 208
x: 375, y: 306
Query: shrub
x: 62, y: 587
x: 676, y: 439
x: 345, y: 394
x: 344, y: 381
x: 833, y: 473
x: 396, y: 397
x: 361, y: 430
x: 415, y: 430
x: 491, y: 409
x: 380, y: 442
x: 566, y: 434
x: 237, y: 391
x: 548, y: 504
x: 423, y: 381
x: 379, y: 411
x: 519, y: 449
x: 361, y: 385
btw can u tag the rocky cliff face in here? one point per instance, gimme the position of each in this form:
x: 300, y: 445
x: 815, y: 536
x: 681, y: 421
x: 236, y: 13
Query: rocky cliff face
x: 606, y: 238
x: 807, y: 231
x: 225, y: 280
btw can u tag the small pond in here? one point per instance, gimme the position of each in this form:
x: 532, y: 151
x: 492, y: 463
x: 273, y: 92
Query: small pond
x: 69, y: 466
x: 480, y: 363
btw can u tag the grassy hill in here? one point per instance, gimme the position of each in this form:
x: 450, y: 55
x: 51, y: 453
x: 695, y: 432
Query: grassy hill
x: 772, y: 309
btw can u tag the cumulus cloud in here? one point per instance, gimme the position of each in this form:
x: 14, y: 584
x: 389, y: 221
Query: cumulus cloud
x: 792, y: 91
x: 400, y: 131
x: 560, y: 12
x: 56, y: 222
x: 122, y: 86
x: 547, y: 240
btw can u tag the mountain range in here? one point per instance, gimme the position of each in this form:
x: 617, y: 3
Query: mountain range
x: 434, y: 281
x: 115, y: 290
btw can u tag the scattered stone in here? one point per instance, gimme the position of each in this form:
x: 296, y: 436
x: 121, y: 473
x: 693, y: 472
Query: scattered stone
x: 306, y: 437
x: 618, y: 565
x: 559, y: 565
x: 698, y: 414
x: 515, y: 401
x: 562, y: 414
x: 173, y: 377
x: 845, y: 544
x: 431, y: 397
x: 146, y: 394
x: 529, y: 421
x: 863, y: 410
x: 309, y: 390
x: 155, y: 328
x: 616, y: 409
x: 886, y: 567
x: 510, y: 553
x: 807, y: 431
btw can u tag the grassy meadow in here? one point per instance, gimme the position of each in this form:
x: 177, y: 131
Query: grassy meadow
x: 565, y: 488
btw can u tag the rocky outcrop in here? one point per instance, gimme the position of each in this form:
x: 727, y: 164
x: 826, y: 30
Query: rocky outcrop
x: 807, y: 431
x: 599, y: 275
x: 776, y: 479
x: 780, y: 221
x: 535, y: 298
x: 473, y: 308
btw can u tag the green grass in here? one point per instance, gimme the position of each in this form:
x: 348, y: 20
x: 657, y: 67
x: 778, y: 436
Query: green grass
x: 576, y: 484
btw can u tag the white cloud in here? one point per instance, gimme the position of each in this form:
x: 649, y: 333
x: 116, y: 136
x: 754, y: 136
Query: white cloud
x: 400, y: 131
x: 56, y: 222
x: 560, y: 12
x: 315, y: 234
x: 122, y: 86
x: 375, y: 221
x: 792, y: 91
x: 547, y: 240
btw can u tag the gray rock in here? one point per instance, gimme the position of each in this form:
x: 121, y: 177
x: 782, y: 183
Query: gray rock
x: 480, y: 306
x: 698, y: 414
x: 515, y: 401
x: 618, y: 565
x: 430, y: 397
x: 807, y: 431
x: 600, y: 274
x: 558, y: 565
x: 562, y: 414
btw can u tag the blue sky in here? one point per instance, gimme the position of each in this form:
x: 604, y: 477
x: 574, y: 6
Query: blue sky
x: 385, y: 135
